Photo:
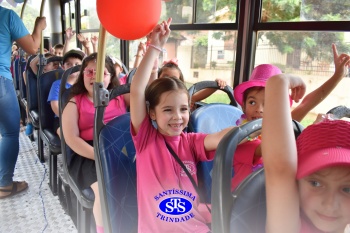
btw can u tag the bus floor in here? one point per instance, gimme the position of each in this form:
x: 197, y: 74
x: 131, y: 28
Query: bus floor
x: 36, y: 209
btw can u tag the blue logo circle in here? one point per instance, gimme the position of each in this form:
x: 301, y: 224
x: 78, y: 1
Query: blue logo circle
x: 175, y: 206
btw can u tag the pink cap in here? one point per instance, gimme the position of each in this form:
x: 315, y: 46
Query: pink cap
x: 323, y: 145
x: 259, y: 76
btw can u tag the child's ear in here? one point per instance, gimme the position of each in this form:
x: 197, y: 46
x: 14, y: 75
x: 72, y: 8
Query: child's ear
x: 243, y: 107
x: 152, y: 115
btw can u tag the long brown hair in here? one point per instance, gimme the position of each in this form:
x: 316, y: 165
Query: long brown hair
x: 79, y: 87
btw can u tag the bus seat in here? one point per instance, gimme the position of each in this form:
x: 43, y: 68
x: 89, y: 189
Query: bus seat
x: 116, y: 168
x: 244, y: 210
x: 18, y: 68
x: 85, y: 198
x: 131, y: 75
x: 15, y: 65
x: 249, y: 204
x: 32, y: 105
x: 340, y: 112
x: 211, y: 118
x: 46, y: 119
x: 211, y: 84
x: 22, y: 85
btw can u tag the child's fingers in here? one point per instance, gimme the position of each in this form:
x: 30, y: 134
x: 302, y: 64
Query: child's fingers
x: 297, y: 93
x: 169, y: 21
x: 335, y: 51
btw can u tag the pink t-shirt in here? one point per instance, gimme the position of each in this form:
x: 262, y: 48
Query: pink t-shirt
x: 244, y: 163
x: 122, y: 80
x: 86, y: 111
x: 167, y: 200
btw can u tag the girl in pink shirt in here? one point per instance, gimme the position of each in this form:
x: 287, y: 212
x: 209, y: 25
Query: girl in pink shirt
x: 307, y: 181
x: 167, y: 200
x: 78, y: 122
x: 251, y: 96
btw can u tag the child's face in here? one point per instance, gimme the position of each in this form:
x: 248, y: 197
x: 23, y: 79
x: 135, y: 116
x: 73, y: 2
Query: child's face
x: 90, y: 76
x: 325, y: 198
x: 170, y: 72
x: 254, y: 105
x: 172, y: 113
x: 51, y: 66
x: 70, y: 62
x: 118, y: 69
x: 58, y: 52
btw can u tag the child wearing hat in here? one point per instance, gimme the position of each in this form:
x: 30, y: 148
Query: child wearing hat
x: 307, y: 181
x: 71, y: 58
x: 251, y: 96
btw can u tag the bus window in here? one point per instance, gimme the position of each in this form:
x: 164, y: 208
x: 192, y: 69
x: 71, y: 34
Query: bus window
x: 308, y: 55
x: 70, y: 15
x: 306, y: 10
x: 89, y: 18
x: 202, y: 55
x: 221, y: 11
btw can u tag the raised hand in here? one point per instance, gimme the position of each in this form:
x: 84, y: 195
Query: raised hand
x: 94, y: 40
x: 84, y: 40
x: 141, y: 49
x: 160, y: 33
x: 221, y: 83
x: 341, y: 62
x: 297, y: 87
x: 69, y: 33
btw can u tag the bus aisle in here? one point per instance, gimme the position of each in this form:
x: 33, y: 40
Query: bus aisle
x: 36, y: 209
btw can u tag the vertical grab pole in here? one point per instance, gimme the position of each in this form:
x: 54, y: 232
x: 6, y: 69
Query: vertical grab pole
x: 23, y: 8
x: 101, y: 55
x: 42, y: 61
x: 42, y: 37
x: 101, y: 100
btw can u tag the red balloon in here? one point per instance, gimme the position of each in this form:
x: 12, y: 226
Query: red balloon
x: 128, y: 19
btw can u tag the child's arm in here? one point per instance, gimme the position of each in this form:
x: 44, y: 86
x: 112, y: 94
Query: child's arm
x: 138, y: 112
x: 280, y: 154
x: 317, y: 96
x: 85, y: 41
x: 141, y: 49
x: 69, y: 35
x: 211, y: 141
x: 94, y: 41
x: 203, y: 94
x: 71, y: 133
x: 54, y: 106
x: 34, y: 64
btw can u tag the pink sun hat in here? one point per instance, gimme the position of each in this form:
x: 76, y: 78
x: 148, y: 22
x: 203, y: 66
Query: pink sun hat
x: 259, y: 76
x: 322, y: 145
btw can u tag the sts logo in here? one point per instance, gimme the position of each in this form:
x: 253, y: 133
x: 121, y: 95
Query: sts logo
x: 175, y: 206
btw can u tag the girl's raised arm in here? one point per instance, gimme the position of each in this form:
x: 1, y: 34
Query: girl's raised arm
x: 280, y: 154
x: 318, y: 95
x: 138, y: 112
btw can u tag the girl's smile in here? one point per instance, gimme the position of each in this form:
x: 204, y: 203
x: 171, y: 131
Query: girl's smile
x: 172, y: 113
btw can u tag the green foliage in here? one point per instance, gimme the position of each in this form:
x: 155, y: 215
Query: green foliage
x: 326, y: 10
x: 220, y: 35
x: 281, y: 10
x: 317, y: 45
x: 201, y: 41
x: 217, y: 97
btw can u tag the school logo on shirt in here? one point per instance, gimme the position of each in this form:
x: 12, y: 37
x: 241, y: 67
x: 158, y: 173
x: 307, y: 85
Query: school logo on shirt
x: 191, y: 168
x: 175, y: 205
